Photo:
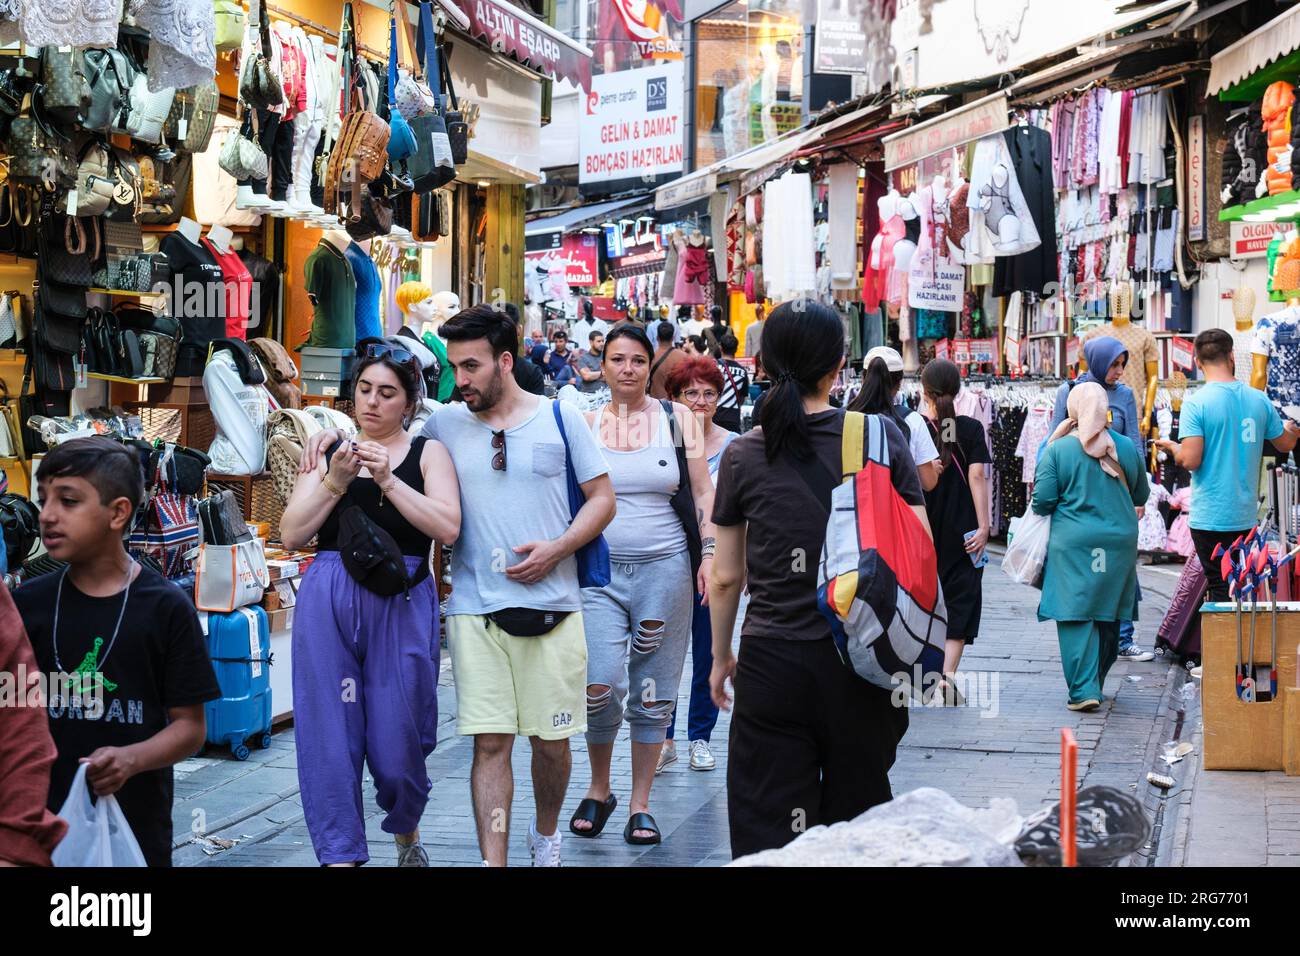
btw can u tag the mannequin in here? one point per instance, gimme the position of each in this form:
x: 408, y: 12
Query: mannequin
x: 1273, y: 344
x: 588, y: 323
x: 1243, y: 312
x: 1142, y: 372
x: 369, y: 288
x: 905, y: 248
x: 239, y: 281
x: 879, y: 283
x: 422, y: 312
x: 754, y: 334
x: 332, y: 288
x: 198, y: 292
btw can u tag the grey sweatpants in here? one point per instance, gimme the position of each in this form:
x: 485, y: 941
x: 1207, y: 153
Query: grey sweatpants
x: 638, y: 628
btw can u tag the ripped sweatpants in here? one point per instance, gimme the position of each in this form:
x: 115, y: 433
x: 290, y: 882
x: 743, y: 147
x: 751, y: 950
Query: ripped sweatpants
x: 638, y: 628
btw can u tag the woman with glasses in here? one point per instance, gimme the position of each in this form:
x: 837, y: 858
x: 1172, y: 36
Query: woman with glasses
x: 365, y: 665
x: 697, y: 383
x: 661, y: 546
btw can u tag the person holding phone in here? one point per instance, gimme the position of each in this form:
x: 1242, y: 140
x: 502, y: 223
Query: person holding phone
x: 958, y: 508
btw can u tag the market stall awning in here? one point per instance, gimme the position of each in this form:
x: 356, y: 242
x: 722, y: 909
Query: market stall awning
x: 704, y: 182
x: 1273, y: 45
x: 962, y: 125
x: 580, y: 217
x: 530, y: 41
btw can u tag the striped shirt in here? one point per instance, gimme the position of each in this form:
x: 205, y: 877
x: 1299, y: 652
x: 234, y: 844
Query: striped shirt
x: 734, y: 379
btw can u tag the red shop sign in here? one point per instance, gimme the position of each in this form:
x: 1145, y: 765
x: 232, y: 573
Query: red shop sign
x: 580, y: 260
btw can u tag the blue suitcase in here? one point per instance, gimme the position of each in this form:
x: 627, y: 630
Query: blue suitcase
x: 239, y: 644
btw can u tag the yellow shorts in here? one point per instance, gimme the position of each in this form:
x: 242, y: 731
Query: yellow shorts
x: 528, y: 686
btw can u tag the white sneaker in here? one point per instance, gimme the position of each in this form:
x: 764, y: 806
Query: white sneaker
x: 276, y: 208
x: 667, y: 756
x: 245, y: 198
x: 1135, y: 652
x: 701, y: 757
x: 545, y: 850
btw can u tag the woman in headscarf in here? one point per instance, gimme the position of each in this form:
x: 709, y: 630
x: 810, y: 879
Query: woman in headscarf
x: 1090, y: 480
x: 1106, y: 358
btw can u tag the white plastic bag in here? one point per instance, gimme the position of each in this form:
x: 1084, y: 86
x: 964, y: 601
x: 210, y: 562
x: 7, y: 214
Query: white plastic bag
x: 98, y: 834
x: 1027, y: 551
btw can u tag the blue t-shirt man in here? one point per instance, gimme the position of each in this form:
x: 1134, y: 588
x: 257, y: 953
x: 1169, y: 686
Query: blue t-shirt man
x: 1234, y: 420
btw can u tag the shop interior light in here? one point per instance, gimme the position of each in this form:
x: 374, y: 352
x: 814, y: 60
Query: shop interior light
x: 484, y: 183
x: 591, y: 231
x: 609, y: 224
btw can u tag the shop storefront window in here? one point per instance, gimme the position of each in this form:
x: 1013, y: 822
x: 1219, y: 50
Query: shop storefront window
x: 748, y: 76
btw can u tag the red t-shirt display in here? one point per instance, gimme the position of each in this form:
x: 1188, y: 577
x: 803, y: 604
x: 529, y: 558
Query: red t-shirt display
x: 239, y: 290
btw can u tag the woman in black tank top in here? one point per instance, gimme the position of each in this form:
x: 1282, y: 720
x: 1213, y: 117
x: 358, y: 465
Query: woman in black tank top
x: 365, y: 666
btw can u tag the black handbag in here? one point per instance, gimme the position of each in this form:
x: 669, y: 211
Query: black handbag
x: 54, y: 369
x: 373, y: 216
x: 130, y: 354
x: 59, y: 317
x: 65, y: 88
x: 68, y: 246
x: 221, y: 519
x: 179, y: 469
x: 457, y: 128
x: 372, y: 557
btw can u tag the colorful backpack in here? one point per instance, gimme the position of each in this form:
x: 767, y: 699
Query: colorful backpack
x: 878, y: 581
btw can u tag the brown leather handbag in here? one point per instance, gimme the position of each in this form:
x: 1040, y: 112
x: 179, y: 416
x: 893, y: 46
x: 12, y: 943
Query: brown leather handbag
x: 361, y: 152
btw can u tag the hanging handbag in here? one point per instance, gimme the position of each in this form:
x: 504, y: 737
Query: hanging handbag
x: 432, y: 165
x: 221, y: 519
x: 259, y: 86
x: 192, y: 118
x: 95, y: 182
x: 361, y: 152
x: 110, y: 78
x: 65, y: 88
x: 457, y: 128
x: 374, y: 216
x: 38, y: 153
x: 68, y: 247
x: 401, y: 141
x: 240, y: 154
x: 149, y: 109
x: 412, y: 97
x: 228, y: 18
x: 128, y: 187
x: 166, y: 530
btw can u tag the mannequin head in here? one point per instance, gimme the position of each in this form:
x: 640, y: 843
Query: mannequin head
x: 413, y: 295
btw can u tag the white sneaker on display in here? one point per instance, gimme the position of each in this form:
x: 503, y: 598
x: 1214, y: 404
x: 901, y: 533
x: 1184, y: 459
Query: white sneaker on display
x: 245, y: 198
x: 545, y: 850
x: 276, y: 208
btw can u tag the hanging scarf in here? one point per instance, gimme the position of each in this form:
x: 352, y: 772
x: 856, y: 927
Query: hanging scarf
x: 1087, y: 407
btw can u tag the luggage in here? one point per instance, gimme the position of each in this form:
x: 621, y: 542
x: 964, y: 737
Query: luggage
x: 1180, y: 631
x: 239, y: 644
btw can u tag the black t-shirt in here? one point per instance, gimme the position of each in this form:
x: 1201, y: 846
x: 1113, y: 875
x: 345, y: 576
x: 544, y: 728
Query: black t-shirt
x: 159, y: 660
x: 950, y: 506
x: 530, y: 377
x: 787, y: 524
x: 364, y: 492
x: 198, y: 300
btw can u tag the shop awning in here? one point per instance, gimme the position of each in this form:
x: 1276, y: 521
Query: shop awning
x: 704, y: 182
x: 580, y: 217
x: 1273, y: 45
x: 530, y: 41
x: 962, y: 125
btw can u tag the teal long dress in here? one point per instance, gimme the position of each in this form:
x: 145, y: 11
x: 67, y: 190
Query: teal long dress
x: 1090, y: 579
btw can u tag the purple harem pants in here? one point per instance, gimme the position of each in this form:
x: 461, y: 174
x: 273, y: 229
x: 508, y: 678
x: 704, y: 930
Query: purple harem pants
x: 365, y: 687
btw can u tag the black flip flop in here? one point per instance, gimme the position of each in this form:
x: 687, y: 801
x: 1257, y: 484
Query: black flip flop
x: 595, y: 813
x: 641, y: 821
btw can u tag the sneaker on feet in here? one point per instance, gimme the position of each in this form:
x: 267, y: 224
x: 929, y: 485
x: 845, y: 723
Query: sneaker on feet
x: 412, y: 855
x: 1135, y: 652
x: 701, y: 757
x: 1090, y: 704
x: 668, y: 755
x: 545, y: 850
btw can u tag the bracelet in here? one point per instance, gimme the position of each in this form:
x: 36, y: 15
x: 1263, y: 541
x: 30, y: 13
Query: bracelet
x: 388, y: 486
x: 332, y: 488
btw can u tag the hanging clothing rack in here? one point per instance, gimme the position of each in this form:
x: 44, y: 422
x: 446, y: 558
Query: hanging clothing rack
x: 313, y: 27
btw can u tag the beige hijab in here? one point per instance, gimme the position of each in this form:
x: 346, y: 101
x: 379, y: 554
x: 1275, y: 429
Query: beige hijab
x: 1088, y: 409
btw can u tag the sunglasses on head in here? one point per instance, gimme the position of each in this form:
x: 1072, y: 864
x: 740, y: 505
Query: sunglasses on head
x: 380, y: 350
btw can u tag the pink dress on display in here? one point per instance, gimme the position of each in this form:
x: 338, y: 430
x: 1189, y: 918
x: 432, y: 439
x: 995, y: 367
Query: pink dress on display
x: 692, y: 263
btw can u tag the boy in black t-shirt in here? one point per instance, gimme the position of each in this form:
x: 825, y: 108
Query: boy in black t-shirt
x: 128, y: 640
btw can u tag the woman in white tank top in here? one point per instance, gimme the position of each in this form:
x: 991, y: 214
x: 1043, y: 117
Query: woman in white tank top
x: 638, y: 625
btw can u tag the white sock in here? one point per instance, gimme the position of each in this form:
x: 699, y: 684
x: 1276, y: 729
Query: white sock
x: 538, y: 835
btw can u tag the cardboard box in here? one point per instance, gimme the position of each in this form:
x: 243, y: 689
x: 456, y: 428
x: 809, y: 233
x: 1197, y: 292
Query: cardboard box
x: 281, y: 620
x: 1238, y: 735
x: 282, y: 569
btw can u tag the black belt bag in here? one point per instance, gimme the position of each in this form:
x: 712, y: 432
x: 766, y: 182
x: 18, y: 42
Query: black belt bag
x: 525, y: 621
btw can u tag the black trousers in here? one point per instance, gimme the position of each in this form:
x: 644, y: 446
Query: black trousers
x: 1205, y: 542
x: 811, y: 743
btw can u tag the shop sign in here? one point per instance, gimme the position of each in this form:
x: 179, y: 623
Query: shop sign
x: 686, y: 190
x: 965, y: 125
x: 544, y: 275
x: 941, y: 349
x: 647, y: 28
x: 632, y: 126
x: 841, y: 43
x: 1181, y: 351
x: 543, y: 242
x: 1196, y: 178
x: 581, y: 258
x: 1249, y: 240
x: 641, y: 255
x: 944, y: 289
x: 602, y: 307
x: 509, y: 30
x: 975, y: 351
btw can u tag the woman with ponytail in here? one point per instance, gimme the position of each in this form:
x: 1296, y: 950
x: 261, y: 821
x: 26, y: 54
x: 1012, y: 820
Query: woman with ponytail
x: 958, y: 507
x: 882, y: 377
x: 810, y: 740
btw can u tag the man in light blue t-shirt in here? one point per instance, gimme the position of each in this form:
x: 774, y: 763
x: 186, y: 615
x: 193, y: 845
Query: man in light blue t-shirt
x: 1223, y: 428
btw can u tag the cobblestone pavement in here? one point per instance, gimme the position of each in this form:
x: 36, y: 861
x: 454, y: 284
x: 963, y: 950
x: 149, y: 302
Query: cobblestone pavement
x: 1006, y: 744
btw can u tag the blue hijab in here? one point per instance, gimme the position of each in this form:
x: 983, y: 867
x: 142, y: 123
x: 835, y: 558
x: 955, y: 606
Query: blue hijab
x: 1100, y: 354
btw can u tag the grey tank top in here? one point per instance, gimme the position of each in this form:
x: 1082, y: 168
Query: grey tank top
x: 645, y: 527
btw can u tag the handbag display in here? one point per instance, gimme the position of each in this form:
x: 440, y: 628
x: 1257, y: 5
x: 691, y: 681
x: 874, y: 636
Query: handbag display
x: 241, y: 156
x: 65, y: 88
x: 373, y: 217
x: 457, y: 128
x: 361, y: 152
x: 401, y: 141
x: 192, y: 118
x: 128, y: 186
x: 110, y: 76
x: 166, y: 530
x: 259, y: 84
x: 142, y: 272
x: 176, y: 175
x: 95, y: 182
x: 221, y: 519
x: 68, y: 247
x: 412, y: 97
x: 432, y: 165
x: 148, y: 111
x: 38, y: 153
x: 228, y: 17
x: 231, y: 576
